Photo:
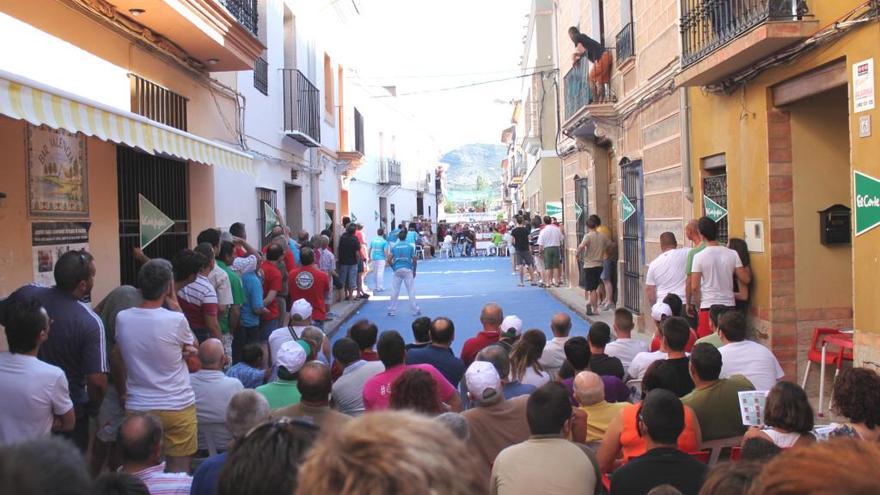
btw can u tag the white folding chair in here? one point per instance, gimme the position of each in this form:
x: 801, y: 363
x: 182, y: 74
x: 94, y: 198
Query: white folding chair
x: 446, y: 247
x: 716, y: 446
x: 420, y: 252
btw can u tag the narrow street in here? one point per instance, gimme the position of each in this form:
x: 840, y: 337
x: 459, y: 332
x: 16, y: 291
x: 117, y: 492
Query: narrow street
x: 458, y: 288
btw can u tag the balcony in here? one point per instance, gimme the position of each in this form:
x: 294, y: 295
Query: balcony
x: 581, y: 111
x: 577, y: 88
x: 626, y: 48
x: 389, y: 172
x: 219, y: 35
x: 720, y: 37
x: 517, y: 173
x: 302, y: 110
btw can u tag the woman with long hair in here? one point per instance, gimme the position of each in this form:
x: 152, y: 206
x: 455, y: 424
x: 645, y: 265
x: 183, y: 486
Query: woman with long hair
x: 524, y: 356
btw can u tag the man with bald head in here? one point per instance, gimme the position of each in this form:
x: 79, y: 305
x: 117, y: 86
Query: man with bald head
x: 491, y: 317
x: 666, y: 274
x: 554, y: 350
x: 314, y: 387
x: 438, y: 352
x: 589, y: 390
x: 692, y: 232
x: 140, y: 447
x: 213, y: 390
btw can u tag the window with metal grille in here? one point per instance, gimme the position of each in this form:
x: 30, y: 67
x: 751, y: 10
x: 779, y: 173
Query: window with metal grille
x: 633, y: 236
x: 261, y: 75
x: 269, y: 196
x: 164, y: 183
x: 581, y: 200
x: 157, y: 103
x: 358, y: 131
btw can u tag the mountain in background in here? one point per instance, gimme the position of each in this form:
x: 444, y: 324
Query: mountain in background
x: 474, y: 172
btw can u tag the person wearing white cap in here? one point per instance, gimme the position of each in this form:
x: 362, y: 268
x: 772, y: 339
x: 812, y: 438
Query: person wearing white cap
x: 511, y: 330
x: 300, y: 318
x: 554, y: 350
x: 495, y: 423
x: 660, y: 311
x: 283, y: 392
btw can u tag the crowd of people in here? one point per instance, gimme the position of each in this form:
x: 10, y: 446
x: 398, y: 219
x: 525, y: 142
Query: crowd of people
x: 214, y: 376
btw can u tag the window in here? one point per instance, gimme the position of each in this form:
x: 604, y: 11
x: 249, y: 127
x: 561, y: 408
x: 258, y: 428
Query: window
x: 715, y: 188
x: 261, y: 75
x: 358, y: 132
x: 269, y: 196
x: 328, y: 88
x: 154, y: 102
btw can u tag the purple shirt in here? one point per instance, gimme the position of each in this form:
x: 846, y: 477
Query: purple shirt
x: 615, y: 389
x: 76, y: 341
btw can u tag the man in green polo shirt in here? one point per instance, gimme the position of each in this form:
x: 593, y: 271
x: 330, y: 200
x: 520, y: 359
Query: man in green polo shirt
x: 715, y: 401
x: 693, y: 234
x: 229, y: 322
x: 291, y: 358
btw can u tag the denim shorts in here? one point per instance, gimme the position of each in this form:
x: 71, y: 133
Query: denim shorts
x: 348, y: 275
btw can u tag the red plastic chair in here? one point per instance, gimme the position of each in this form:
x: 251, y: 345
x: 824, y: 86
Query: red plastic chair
x: 702, y: 456
x: 814, y: 354
x: 736, y: 453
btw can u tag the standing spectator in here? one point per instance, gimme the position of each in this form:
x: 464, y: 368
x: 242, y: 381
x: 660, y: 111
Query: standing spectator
x: 546, y: 462
x: 788, y: 417
x: 535, y: 250
x: 149, y: 367
x: 272, y: 286
x: 415, y: 390
x: 741, y: 291
x: 199, y: 300
x: 349, y: 251
x: 550, y: 242
x: 231, y: 319
x: 593, y: 246
x: 246, y: 410
x: 213, y: 391
x: 283, y: 392
x: 251, y: 371
x: 661, y: 421
x: 36, y: 399
x: 402, y: 258
x: 497, y: 355
x: 491, y: 317
x: 624, y: 347
x: 715, y: 400
x: 348, y: 389
x: 745, y: 357
x: 314, y: 406
x: 405, y: 454
x: 524, y: 365
x: 218, y: 277
x: 252, y: 309
x: 421, y: 329
x: 310, y: 283
x: 590, y: 394
x: 601, y: 363
x: 692, y: 233
x: 495, y: 423
x: 392, y: 353
x: 378, y: 253
x: 327, y: 264
x: 522, y: 253
x: 714, y: 269
x: 76, y: 343
x: 675, y: 337
x: 553, y: 354
x: 856, y: 397
x: 666, y: 273
x: 140, y: 445
x: 439, y: 353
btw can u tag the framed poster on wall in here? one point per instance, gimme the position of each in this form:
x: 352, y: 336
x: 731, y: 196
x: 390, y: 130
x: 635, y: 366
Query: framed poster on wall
x: 57, y: 173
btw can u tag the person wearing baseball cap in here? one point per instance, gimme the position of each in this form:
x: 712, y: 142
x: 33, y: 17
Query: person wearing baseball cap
x: 290, y: 359
x: 300, y: 318
x: 511, y: 330
x: 495, y: 423
x: 310, y: 283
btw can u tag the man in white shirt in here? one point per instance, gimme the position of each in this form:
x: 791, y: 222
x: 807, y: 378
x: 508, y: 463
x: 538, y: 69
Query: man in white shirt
x: 348, y: 389
x: 712, y: 275
x: 36, y: 400
x: 554, y: 350
x: 550, y: 244
x: 624, y: 347
x: 667, y: 272
x: 745, y: 357
x: 148, y: 364
x: 213, y: 391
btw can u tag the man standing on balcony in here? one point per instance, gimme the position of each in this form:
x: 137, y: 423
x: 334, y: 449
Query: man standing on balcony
x: 600, y: 74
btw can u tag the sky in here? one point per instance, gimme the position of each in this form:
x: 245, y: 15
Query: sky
x: 420, y: 46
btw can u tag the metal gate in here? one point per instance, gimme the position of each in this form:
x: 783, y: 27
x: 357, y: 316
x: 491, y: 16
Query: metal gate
x: 164, y: 183
x: 264, y: 196
x: 582, y: 200
x: 633, y: 235
x: 715, y: 188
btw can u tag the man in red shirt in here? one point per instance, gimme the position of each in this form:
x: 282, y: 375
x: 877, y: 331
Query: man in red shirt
x: 271, y: 286
x: 491, y: 317
x: 310, y: 283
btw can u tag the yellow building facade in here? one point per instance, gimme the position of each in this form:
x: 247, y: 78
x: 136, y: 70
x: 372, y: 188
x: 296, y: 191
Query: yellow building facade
x: 781, y: 112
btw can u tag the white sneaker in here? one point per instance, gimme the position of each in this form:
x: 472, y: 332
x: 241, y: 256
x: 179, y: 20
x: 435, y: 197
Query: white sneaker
x: 391, y: 313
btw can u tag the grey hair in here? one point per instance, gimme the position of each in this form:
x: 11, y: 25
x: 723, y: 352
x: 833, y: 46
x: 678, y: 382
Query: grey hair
x: 456, y: 423
x: 154, y: 278
x: 246, y: 409
x: 590, y: 396
x: 325, y: 241
x: 497, y: 355
x: 47, y: 465
x: 313, y: 333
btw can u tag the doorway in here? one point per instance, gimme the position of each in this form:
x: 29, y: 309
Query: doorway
x: 383, y: 214
x: 293, y: 207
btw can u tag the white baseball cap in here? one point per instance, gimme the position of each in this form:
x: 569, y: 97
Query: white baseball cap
x: 301, y: 310
x: 482, y: 380
x: 512, y: 322
x: 246, y: 264
x: 292, y: 355
x: 659, y: 310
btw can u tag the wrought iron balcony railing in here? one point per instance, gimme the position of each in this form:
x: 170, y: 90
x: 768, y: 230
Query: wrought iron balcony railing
x: 302, y: 111
x: 389, y: 172
x: 577, y: 88
x: 245, y: 11
x: 625, y: 43
x: 709, y: 24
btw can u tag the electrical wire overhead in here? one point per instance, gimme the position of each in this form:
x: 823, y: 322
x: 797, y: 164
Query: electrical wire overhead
x: 464, y: 86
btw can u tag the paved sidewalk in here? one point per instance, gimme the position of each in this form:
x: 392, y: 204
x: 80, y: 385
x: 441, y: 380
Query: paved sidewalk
x: 573, y: 299
x: 344, y: 310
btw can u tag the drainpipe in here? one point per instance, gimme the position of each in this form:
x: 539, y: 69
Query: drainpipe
x: 685, y: 113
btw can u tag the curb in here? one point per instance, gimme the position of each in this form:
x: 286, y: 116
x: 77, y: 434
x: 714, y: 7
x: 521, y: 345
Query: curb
x: 578, y: 308
x: 344, y: 310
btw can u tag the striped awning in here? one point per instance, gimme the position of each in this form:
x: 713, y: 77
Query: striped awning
x: 41, y: 105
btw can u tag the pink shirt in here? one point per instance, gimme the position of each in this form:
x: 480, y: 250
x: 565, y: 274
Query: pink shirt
x: 377, y: 390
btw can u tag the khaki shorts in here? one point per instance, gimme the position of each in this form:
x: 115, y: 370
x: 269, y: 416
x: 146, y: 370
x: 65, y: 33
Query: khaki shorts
x: 551, y: 258
x: 180, y: 431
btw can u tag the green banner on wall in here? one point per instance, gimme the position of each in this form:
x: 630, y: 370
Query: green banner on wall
x: 153, y: 223
x: 867, y: 210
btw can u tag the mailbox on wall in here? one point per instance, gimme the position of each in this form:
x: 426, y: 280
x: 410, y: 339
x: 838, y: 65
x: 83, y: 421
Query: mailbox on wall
x: 834, y: 225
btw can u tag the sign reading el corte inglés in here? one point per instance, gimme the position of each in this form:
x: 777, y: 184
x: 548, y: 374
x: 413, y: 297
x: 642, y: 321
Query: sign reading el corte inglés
x: 867, y: 199
x: 863, y: 85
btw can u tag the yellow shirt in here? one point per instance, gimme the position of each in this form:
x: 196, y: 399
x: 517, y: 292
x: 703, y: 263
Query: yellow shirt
x: 603, y: 229
x: 599, y: 416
